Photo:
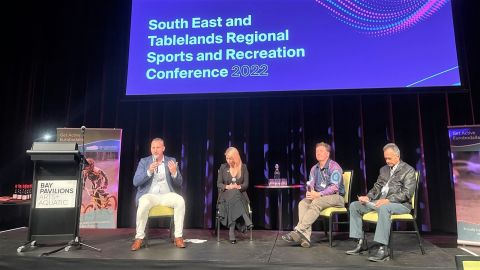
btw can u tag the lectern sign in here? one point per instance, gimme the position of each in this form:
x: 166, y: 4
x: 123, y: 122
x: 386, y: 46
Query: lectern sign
x: 56, y: 193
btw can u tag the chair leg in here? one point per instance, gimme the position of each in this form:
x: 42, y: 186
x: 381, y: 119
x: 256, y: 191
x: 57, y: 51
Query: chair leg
x: 330, y: 230
x: 365, y: 240
x: 147, y: 229
x: 251, y: 229
x: 418, y: 237
x: 170, y: 235
x: 390, y: 246
x: 364, y: 228
x: 218, y: 228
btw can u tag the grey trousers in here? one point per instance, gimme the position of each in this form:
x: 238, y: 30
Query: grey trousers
x: 308, y: 211
x: 382, y: 231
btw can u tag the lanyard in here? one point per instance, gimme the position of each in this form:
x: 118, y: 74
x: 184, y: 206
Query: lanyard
x: 323, y: 180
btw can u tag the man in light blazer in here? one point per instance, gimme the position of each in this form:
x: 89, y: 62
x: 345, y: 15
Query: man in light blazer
x: 391, y: 194
x: 155, y: 179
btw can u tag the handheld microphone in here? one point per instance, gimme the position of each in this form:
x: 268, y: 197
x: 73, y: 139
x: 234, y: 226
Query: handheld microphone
x: 156, y: 160
x: 309, y: 185
x: 83, y: 129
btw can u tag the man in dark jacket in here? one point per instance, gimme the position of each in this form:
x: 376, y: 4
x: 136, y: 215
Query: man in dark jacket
x: 391, y: 194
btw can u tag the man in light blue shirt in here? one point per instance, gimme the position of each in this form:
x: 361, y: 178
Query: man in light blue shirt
x: 155, y: 179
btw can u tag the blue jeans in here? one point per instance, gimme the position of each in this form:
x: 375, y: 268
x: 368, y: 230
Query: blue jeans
x: 382, y: 231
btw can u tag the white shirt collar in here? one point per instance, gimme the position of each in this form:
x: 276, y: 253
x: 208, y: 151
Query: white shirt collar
x: 163, y: 159
x: 392, y: 169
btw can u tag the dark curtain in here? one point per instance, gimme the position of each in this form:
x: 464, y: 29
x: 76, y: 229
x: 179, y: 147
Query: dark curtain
x: 65, y: 66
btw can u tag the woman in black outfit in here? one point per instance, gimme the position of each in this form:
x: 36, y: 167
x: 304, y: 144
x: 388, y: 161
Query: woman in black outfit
x: 233, y: 200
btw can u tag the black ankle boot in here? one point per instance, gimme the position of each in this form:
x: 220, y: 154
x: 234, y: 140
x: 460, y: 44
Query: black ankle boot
x: 359, y: 249
x: 382, y: 255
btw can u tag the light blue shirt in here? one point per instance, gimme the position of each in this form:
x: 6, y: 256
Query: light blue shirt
x: 159, y: 181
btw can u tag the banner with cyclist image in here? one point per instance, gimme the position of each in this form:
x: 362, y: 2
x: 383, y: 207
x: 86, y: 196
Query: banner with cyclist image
x: 465, y: 148
x: 100, y: 174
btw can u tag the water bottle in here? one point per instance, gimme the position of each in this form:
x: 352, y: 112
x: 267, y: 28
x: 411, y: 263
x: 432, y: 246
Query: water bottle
x: 15, y: 193
x: 276, y: 175
x: 29, y: 192
x: 24, y: 192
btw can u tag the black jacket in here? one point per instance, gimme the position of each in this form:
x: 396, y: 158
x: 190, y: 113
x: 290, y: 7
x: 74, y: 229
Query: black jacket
x: 401, y: 186
x: 225, y: 178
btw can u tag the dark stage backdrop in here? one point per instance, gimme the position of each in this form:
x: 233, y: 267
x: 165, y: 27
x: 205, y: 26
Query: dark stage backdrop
x: 65, y: 67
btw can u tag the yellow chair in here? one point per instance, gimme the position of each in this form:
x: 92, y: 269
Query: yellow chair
x: 467, y: 262
x: 328, y: 213
x: 372, y: 217
x: 157, y: 212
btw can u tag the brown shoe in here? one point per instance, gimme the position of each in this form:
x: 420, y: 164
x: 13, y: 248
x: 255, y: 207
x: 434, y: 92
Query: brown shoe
x: 179, y: 242
x: 137, y: 244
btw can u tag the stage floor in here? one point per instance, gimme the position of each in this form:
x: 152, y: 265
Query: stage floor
x: 266, y: 251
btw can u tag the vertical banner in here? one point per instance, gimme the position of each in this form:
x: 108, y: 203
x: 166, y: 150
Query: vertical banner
x: 100, y: 174
x: 465, y: 147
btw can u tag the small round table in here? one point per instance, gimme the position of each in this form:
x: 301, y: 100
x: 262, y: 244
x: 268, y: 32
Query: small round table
x: 279, y: 190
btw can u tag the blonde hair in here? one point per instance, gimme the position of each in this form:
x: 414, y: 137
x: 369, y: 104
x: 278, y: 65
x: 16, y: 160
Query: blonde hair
x: 236, y: 158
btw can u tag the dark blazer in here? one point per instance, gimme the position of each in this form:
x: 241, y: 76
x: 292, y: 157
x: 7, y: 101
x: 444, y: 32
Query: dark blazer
x: 143, y: 182
x: 225, y: 178
x: 401, y: 186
